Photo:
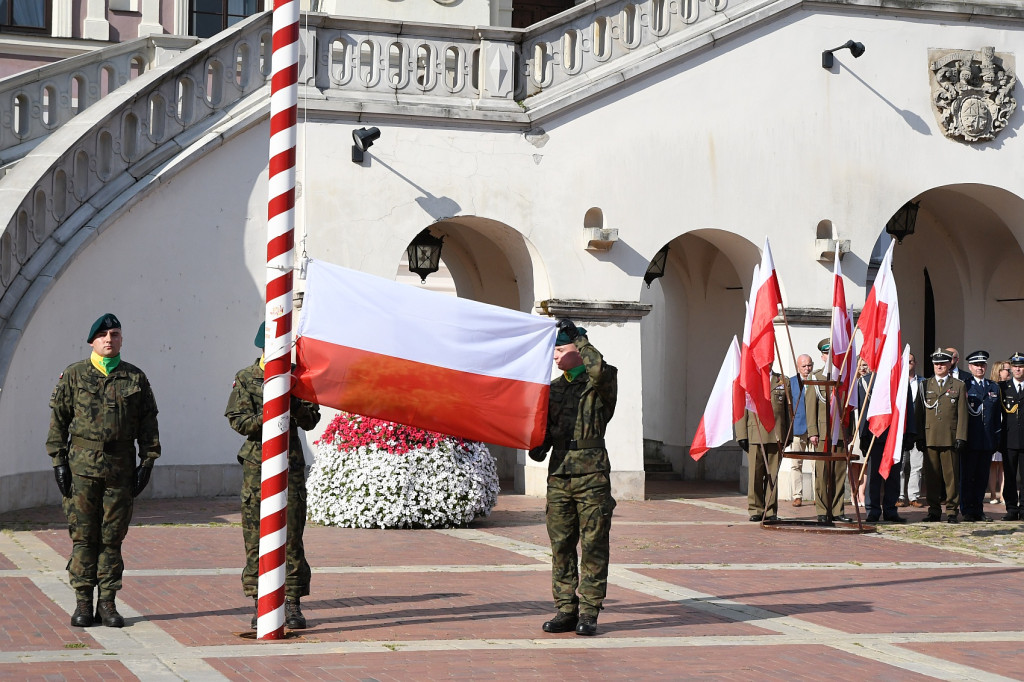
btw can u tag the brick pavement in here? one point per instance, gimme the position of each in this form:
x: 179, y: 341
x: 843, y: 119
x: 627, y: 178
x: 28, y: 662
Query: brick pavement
x: 695, y: 591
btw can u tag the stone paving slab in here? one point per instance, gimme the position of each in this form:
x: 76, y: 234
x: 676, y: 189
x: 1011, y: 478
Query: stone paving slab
x: 999, y: 658
x: 714, y: 662
x: 80, y: 671
x: 879, y: 600
x: 31, y: 621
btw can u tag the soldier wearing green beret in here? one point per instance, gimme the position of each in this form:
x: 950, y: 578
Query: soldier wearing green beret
x: 100, y: 408
x: 245, y: 414
x: 579, y: 497
x: 816, y: 407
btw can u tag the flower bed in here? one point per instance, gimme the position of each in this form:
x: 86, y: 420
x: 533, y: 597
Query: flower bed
x: 370, y: 473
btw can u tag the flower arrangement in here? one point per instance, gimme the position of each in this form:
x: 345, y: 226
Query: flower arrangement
x: 370, y: 473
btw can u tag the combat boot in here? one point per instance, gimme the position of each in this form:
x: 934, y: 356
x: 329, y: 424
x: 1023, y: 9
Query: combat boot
x: 293, y: 618
x: 255, y: 612
x: 82, y: 617
x: 107, y: 613
x: 587, y: 625
x: 564, y: 621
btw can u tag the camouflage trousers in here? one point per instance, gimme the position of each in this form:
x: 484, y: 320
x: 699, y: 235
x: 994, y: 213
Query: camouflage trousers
x: 297, y: 572
x: 579, y: 510
x: 98, y: 518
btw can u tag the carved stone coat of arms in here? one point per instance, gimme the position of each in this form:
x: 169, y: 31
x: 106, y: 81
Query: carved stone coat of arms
x: 972, y: 92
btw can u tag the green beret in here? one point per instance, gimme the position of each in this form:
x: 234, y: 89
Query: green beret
x: 824, y: 345
x: 562, y: 339
x: 261, y: 335
x: 105, y: 322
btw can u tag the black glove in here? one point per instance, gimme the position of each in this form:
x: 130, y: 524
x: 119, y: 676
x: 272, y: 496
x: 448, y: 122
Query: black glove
x: 538, y: 453
x: 744, y: 444
x: 142, y: 474
x: 960, y: 446
x: 62, y: 472
x: 568, y: 327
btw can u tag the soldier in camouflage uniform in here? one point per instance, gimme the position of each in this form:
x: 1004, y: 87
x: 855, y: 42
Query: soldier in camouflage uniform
x: 245, y: 414
x: 99, y: 409
x: 579, y: 499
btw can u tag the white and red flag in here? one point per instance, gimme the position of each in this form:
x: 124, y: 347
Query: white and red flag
x: 752, y: 388
x: 890, y: 373
x: 872, y: 322
x: 767, y: 298
x: 844, y: 356
x: 899, y: 415
x: 375, y: 347
x: 715, y: 426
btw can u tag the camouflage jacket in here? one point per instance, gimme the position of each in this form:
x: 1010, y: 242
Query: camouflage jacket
x: 245, y: 414
x: 96, y: 419
x: 580, y: 410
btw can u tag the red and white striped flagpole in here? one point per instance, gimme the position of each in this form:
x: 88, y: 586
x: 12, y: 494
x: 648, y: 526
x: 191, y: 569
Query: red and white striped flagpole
x: 277, y: 352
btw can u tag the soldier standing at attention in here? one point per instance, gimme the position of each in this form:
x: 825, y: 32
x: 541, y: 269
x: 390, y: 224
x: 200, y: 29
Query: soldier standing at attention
x: 984, y: 428
x: 817, y: 408
x: 99, y: 409
x: 1012, y: 445
x: 751, y: 436
x: 245, y: 414
x: 579, y: 499
x: 945, y: 435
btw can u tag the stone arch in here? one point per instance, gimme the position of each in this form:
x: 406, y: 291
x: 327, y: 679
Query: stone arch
x: 697, y: 307
x: 969, y: 238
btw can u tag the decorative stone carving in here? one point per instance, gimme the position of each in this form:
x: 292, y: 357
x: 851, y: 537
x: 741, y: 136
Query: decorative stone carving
x: 972, y: 92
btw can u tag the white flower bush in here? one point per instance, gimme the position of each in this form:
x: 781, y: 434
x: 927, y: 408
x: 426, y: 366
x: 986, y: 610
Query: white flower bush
x: 370, y: 473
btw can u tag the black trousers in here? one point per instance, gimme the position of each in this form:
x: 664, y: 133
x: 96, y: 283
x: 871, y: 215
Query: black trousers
x: 1013, y: 489
x: 882, y: 493
x: 973, y: 481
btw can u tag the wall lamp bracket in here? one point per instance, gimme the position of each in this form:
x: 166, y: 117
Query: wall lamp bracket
x: 828, y: 60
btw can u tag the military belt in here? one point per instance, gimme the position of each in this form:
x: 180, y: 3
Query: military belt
x: 581, y: 444
x: 108, y: 446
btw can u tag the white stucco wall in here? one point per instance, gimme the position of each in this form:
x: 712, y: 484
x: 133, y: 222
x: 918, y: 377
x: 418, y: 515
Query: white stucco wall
x: 750, y: 138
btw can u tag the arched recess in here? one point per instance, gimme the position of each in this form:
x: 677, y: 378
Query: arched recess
x: 487, y: 261
x: 697, y: 307
x: 968, y: 237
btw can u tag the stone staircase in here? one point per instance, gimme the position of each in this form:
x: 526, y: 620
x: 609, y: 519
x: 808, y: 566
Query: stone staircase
x: 656, y: 466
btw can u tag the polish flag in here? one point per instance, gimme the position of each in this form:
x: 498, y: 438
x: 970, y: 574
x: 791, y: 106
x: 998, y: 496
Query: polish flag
x: 753, y: 385
x: 766, y: 307
x: 844, y: 355
x: 715, y: 426
x: 374, y: 347
x: 873, y: 317
x: 899, y: 416
x: 883, y: 396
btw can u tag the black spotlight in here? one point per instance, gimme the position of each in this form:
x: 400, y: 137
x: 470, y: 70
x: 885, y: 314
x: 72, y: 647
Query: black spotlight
x: 362, y: 140
x: 855, y: 48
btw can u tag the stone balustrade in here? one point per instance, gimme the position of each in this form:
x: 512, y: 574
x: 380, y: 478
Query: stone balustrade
x: 35, y: 103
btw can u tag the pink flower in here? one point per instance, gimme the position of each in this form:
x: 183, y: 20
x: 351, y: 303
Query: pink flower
x: 350, y: 431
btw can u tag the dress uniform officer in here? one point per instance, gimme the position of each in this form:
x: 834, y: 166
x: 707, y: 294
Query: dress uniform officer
x: 762, y: 481
x: 1013, y: 438
x: 817, y: 408
x: 245, y: 414
x: 579, y: 498
x: 945, y: 434
x: 100, y: 408
x: 984, y: 430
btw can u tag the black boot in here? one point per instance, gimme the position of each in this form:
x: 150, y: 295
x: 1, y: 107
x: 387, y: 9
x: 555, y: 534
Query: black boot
x: 82, y: 617
x: 255, y: 612
x: 587, y: 625
x: 564, y: 621
x: 107, y: 613
x: 293, y: 618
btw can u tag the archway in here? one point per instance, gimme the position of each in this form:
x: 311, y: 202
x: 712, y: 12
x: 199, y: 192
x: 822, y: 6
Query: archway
x: 958, y: 275
x: 487, y: 261
x: 697, y: 308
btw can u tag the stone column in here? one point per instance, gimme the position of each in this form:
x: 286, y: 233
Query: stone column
x: 62, y: 25
x: 96, y: 26
x: 614, y: 328
x: 150, y: 23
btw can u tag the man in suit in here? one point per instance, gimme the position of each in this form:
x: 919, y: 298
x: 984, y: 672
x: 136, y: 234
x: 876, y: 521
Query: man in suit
x: 945, y: 432
x: 984, y: 428
x: 797, y: 390
x: 913, y: 455
x: 882, y: 493
x: 762, y: 489
x: 1012, y: 445
x: 816, y: 407
x: 954, y: 368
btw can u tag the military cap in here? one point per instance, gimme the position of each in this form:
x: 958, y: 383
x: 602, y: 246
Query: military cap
x: 1017, y: 358
x: 105, y: 322
x: 942, y: 355
x: 261, y: 335
x: 978, y: 357
x: 562, y: 339
x: 825, y: 344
